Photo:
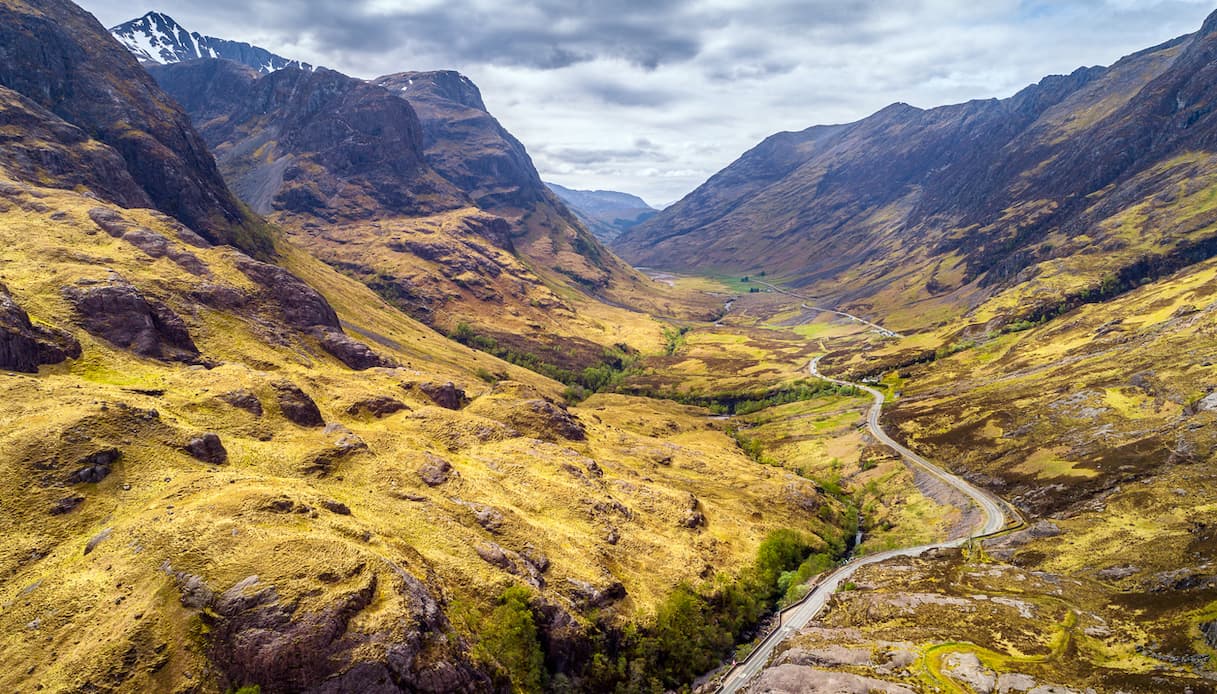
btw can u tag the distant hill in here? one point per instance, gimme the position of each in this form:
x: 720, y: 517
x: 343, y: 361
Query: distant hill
x: 1077, y: 187
x: 606, y: 213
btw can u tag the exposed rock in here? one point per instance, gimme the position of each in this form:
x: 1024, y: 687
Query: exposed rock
x: 349, y: 351
x: 693, y: 517
x: 1207, y: 404
x: 324, y: 462
x: 297, y: 406
x: 827, y: 656
x: 446, y: 395
x: 797, y: 679
x: 488, y: 517
x: 336, y: 507
x: 207, y: 448
x: 378, y: 406
x: 436, y: 470
x: 195, y: 593
x: 245, y: 400
x: 967, y: 668
x: 110, y: 221
x: 95, y: 467
x: 66, y: 505
x: 120, y: 314
x: 495, y: 555
x: 257, y: 637
x: 23, y: 346
x: 1209, y: 629
x: 587, y: 596
x: 1116, y: 573
x: 302, y: 306
x: 98, y: 539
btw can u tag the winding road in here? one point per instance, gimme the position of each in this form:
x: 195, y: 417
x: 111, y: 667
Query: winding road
x: 994, y: 519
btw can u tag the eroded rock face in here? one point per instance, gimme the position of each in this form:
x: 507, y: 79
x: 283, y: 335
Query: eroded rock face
x: 23, y: 346
x: 118, y: 313
x: 797, y: 679
x: 258, y: 637
x: 302, y: 307
x: 588, y: 596
x: 297, y: 406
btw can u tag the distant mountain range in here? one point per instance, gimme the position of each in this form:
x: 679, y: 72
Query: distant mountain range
x: 157, y: 38
x: 606, y: 213
x: 1076, y: 187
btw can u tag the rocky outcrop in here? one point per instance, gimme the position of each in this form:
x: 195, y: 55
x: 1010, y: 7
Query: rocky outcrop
x: 349, y: 351
x: 258, y: 637
x: 245, y: 400
x: 207, y: 448
x: 589, y: 597
x: 446, y: 395
x: 95, y: 467
x: 300, y: 306
x: 435, y: 471
x: 379, y: 406
x: 118, y: 313
x: 23, y: 346
x: 796, y: 679
x: 297, y: 407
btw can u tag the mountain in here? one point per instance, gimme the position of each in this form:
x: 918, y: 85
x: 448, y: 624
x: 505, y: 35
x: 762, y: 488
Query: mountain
x: 606, y: 213
x: 112, y: 129
x: 156, y: 38
x: 1003, y: 210
x: 409, y: 185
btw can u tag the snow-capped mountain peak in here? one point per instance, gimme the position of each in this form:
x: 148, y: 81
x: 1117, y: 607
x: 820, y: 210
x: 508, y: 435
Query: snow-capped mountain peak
x: 157, y: 38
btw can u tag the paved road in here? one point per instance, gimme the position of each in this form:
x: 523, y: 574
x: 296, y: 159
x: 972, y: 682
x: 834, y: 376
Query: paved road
x: 875, y: 326
x: 992, y: 509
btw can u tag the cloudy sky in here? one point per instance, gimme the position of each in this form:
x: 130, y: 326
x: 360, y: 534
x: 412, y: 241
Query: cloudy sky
x: 654, y: 96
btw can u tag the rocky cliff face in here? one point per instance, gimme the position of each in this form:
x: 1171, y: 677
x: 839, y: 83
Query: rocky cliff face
x: 312, y: 143
x: 59, y: 58
x: 957, y: 204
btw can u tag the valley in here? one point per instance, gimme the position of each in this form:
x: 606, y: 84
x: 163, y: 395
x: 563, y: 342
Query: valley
x: 310, y: 383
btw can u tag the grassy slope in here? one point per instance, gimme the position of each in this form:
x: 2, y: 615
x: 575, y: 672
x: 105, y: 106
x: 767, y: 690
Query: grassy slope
x: 73, y: 618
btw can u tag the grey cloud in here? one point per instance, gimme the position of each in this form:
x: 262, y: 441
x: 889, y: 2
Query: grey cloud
x: 651, y: 96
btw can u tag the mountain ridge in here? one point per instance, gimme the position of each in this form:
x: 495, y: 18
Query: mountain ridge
x: 155, y: 38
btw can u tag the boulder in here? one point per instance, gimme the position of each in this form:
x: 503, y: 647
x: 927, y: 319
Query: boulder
x: 587, y: 596
x: 245, y: 400
x: 435, y: 471
x: 207, y: 448
x: 95, y: 467
x: 378, y: 406
x: 446, y: 395
x: 66, y: 505
x: 336, y: 507
x: 296, y: 406
x: 349, y: 351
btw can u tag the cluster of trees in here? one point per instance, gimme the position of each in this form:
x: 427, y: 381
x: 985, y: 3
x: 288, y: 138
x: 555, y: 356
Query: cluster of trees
x: 605, y: 375
x: 695, y: 629
x: 747, y: 402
